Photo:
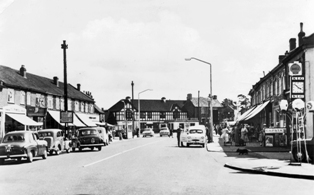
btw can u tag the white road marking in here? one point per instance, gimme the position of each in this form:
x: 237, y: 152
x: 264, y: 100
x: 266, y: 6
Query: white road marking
x: 121, y: 153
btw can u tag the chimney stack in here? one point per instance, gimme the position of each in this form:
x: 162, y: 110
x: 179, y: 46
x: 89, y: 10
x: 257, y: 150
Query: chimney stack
x: 56, y: 81
x: 163, y: 99
x: 281, y: 57
x: 301, y: 34
x: 189, y: 96
x: 292, y: 42
x: 215, y: 97
x: 78, y: 87
x: 23, y: 71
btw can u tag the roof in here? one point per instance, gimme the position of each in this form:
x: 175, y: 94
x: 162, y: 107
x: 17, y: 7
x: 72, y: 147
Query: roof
x: 203, y: 102
x: 152, y: 105
x: 34, y: 83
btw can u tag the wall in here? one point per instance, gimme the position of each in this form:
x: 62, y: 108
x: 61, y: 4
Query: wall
x: 309, y: 89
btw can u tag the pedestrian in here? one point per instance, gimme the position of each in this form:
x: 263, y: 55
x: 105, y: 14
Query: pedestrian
x: 261, y: 136
x: 244, y: 132
x: 178, y: 135
x: 225, y: 134
x: 170, y: 133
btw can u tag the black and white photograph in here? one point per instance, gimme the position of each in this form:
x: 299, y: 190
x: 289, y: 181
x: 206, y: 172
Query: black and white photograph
x: 156, y: 97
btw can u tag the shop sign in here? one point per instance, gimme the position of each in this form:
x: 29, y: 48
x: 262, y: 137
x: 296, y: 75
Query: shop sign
x: 66, y: 117
x: 14, y: 109
x: 295, y: 68
x: 35, y: 111
x: 275, y: 130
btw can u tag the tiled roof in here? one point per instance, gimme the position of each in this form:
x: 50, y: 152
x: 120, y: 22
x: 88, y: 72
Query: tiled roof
x: 34, y: 83
x: 204, y: 102
x: 152, y: 105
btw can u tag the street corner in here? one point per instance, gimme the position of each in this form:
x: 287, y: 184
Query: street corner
x: 272, y: 167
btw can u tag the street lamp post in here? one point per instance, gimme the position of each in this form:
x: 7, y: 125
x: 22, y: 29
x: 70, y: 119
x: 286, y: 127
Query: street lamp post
x: 210, y: 96
x: 139, y: 110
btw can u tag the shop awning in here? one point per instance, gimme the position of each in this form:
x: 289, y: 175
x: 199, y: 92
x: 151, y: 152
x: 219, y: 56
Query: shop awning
x: 56, y: 116
x: 23, y: 119
x: 256, y: 111
x: 85, y: 119
x: 245, y: 114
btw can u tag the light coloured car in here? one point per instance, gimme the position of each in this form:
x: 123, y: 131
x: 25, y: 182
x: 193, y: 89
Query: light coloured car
x: 194, y: 135
x: 56, y: 142
x: 148, y: 132
x: 164, y: 131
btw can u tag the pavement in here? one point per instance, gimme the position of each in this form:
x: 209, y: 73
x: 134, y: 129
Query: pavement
x: 273, y: 161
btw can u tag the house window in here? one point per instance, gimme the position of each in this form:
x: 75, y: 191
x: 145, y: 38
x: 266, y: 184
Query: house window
x: 77, y: 105
x: 162, y: 115
x: 50, y: 102
x: 149, y: 115
x: 143, y: 115
x: 10, y: 95
x: 128, y: 114
x: 176, y: 114
x: 22, y: 98
x: 57, y: 103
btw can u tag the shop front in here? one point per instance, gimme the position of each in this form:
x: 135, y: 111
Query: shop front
x: 13, y: 117
x: 275, y: 137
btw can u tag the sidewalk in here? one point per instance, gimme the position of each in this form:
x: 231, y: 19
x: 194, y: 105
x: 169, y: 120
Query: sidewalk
x: 269, y: 161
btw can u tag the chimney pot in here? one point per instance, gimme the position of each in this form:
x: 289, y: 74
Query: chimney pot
x: 292, y: 42
x: 189, y: 96
x: 56, y: 81
x: 163, y: 99
x: 79, y: 87
x: 301, y: 34
x: 23, y: 71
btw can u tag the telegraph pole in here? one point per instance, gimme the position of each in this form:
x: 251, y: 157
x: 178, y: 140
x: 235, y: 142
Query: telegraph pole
x: 64, y: 46
x: 133, y: 113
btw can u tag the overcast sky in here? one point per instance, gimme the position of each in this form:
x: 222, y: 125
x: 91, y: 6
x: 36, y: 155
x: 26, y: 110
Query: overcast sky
x: 112, y: 43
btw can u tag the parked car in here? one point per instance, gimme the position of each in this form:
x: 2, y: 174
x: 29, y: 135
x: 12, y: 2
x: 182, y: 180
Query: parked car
x: 56, y: 142
x: 148, y: 132
x: 194, y: 135
x: 164, y: 131
x: 302, y: 154
x: 88, y: 137
x: 22, y: 144
x: 104, y: 135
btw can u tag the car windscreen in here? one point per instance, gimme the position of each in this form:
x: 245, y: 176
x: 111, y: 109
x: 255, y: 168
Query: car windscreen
x: 45, y: 134
x: 13, y: 138
x: 88, y: 132
x: 196, y: 131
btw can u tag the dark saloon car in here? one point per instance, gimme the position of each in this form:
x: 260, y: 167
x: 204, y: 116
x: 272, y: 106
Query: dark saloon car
x: 301, y: 155
x: 88, y: 137
x: 22, y: 144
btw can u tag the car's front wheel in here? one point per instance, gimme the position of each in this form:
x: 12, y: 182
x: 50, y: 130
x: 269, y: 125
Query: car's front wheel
x: 45, y: 154
x: 30, y: 157
x: 99, y: 148
x: 1, y: 161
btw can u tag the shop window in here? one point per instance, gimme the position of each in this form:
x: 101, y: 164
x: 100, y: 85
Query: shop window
x: 143, y: 115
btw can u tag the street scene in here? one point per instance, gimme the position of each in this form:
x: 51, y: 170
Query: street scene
x: 156, y: 97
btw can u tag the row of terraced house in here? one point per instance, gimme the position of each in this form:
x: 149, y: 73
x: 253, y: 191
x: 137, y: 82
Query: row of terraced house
x: 283, y: 99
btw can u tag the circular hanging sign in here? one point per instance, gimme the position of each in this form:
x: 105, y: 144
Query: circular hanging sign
x: 298, y: 104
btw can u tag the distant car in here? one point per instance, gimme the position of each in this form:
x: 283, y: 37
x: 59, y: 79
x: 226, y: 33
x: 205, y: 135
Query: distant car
x: 148, y: 132
x: 194, y: 135
x: 301, y: 154
x: 56, y: 142
x: 164, y: 131
x: 88, y: 137
x: 22, y: 144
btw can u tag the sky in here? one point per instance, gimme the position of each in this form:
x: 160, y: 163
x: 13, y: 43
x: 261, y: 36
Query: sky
x: 112, y: 43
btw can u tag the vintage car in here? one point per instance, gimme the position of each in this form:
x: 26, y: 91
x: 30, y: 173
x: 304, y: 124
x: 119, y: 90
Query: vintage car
x: 56, y: 142
x: 103, y: 134
x: 300, y: 155
x: 22, y: 144
x: 194, y: 135
x: 164, y: 131
x: 148, y: 132
x: 87, y: 137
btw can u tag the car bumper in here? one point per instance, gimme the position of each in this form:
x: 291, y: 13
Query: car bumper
x: 13, y: 156
x: 91, y: 145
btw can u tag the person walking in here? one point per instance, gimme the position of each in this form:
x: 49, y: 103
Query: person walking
x: 178, y: 135
x: 171, y: 133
